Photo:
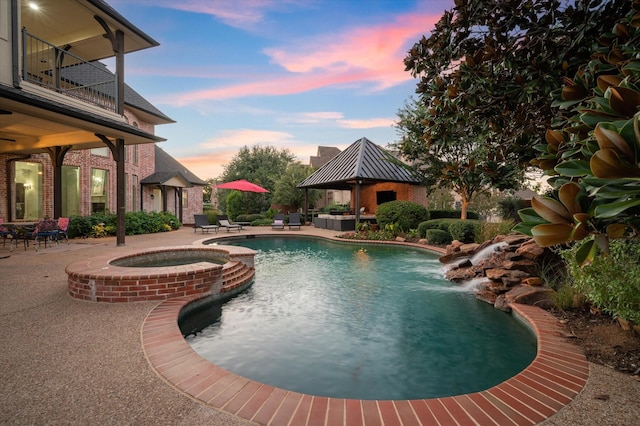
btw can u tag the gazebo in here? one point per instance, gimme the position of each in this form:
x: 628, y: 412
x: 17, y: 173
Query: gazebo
x: 363, y: 163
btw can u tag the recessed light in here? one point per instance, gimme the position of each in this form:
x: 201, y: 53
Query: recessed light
x: 33, y: 5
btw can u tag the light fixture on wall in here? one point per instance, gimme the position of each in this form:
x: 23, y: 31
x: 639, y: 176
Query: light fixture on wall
x: 27, y: 186
x: 152, y: 197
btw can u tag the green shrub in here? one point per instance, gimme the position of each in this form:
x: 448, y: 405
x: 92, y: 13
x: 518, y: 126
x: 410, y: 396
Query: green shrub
x: 611, y: 283
x: 79, y: 226
x: 249, y: 217
x: 262, y: 222
x: 464, y: 230
x: 442, y: 224
x: 451, y: 214
x: 405, y: 214
x: 235, y: 204
x: 438, y: 236
x: 104, y: 224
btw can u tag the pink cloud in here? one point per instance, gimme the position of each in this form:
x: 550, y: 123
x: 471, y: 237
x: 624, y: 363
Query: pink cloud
x: 238, y: 138
x: 367, y: 124
x: 369, y: 58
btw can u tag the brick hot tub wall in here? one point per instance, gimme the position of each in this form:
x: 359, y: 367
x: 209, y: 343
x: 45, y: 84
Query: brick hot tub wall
x: 100, y: 280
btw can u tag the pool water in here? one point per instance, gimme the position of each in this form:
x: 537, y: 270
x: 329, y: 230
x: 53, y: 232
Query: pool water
x: 363, y: 322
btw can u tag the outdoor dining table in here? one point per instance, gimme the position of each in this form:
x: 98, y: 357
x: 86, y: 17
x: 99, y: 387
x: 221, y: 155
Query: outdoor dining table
x: 16, y: 231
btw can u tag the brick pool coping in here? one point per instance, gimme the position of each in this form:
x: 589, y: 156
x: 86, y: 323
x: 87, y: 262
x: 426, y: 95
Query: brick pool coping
x: 102, y: 279
x: 557, y: 374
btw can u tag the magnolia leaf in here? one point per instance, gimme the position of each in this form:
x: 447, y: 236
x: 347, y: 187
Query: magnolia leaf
x: 530, y: 216
x: 550, y: 209
x: 554, y: 138
x: 586, y: 253
x: 551, y: 234
x: 602, y: 241
x: 605, y: 81
x: 616, y: 230
x: 592, y: 117
x: 573, y: 168
x: 608, y: 138
x: 580, y: 231
x: 624, y: 101
x: 607, y: 164
x: 523, y: 228
x: 574, y: 92
x: 581, y: 218
x: 568, y: 195
x: 606, y: 211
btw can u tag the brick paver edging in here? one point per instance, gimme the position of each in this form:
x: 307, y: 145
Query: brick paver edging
x: 557, y: 374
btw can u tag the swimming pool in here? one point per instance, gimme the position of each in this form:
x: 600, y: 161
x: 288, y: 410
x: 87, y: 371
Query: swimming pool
x: 361, y: 321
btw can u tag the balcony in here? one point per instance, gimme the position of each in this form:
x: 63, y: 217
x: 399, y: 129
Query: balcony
x: 56, y: 69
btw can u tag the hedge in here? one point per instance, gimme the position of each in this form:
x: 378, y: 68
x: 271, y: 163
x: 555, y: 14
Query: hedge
x: 438, y: 237
x: 406, y: 215
x: 451, y: 214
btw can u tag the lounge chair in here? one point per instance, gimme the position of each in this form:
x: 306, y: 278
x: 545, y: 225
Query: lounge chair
x: 278, y: 221
x: 202, y: 222
x: 224, y: 222
x: 294, y: 220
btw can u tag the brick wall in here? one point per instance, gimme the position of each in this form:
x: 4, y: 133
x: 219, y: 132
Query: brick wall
x: 404, y: 191
x: 86, y: 161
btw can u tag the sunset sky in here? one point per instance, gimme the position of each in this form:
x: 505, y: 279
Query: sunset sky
x: 292, y: 74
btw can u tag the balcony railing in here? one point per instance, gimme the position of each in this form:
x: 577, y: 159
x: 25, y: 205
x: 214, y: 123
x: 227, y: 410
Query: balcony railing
x: 59, y: 70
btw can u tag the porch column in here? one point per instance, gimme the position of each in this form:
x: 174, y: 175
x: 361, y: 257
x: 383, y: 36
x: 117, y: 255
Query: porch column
x: 57, y: 154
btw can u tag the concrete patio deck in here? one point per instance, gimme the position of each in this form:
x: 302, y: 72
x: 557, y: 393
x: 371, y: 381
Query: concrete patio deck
x: 65, y: 361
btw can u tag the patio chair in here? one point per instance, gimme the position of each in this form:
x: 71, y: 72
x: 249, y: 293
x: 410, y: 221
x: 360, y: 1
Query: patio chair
x: 4, y: 233
x: 294, y: 220
x: 63, y: 227
x: 224, y: 222
x: 278, y: 221
x: 47, y: 231
x: 202, y: 222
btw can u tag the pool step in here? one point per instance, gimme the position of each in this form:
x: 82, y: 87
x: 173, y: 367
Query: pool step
x: 235, y: 274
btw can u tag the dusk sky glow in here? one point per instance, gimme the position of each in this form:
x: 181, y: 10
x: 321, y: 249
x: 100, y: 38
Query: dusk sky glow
x: 291, y: 74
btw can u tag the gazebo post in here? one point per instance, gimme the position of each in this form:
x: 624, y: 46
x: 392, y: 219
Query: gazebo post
x: 306, y: 205
x: 358, y: 183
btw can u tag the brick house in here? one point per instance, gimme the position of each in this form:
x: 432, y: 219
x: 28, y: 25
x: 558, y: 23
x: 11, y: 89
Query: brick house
x: 74, y: 138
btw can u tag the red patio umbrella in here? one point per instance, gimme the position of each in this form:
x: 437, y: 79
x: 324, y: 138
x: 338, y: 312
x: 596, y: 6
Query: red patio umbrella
x: 241, y: 185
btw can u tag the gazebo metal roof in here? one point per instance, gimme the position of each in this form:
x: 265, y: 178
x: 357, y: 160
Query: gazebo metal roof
x: 362, y: 162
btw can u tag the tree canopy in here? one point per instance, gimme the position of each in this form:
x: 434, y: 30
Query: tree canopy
x: 485, y: 75
x: 262, y: 165
x: 287, y: 193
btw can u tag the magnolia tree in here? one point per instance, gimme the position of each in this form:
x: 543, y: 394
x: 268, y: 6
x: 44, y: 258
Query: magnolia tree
x: 592, y: 152
x: 485, y: 75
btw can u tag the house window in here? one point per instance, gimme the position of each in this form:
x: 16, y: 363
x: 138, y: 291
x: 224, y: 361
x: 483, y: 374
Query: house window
x: 70, y: 191
x: 385, y: 196
x: 102, y: 152
x: 27, y: 191
x: 184, y: 198
x: 134, y: 154
x: 99, y: 190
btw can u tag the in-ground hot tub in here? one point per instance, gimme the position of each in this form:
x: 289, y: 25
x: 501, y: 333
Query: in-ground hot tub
x: 161, y: 273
